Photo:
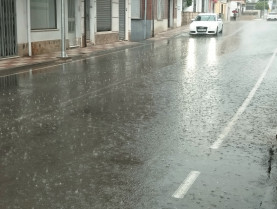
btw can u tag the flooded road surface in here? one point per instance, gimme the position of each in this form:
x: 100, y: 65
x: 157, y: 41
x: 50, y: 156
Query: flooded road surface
x: 188, y: 122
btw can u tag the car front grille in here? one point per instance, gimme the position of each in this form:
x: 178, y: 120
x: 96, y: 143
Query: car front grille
x: 201, y: 29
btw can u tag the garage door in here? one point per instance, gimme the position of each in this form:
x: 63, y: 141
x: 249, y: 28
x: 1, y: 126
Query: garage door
x: 104, y: 15
x: 8, y: 43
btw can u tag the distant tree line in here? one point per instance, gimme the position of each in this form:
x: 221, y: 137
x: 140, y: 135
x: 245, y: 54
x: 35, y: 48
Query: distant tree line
x: 262, y: 5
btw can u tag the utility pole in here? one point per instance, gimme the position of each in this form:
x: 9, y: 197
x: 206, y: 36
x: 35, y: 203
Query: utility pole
x: 85, y: 23
x: 145, y: 16
x: 63, y: 47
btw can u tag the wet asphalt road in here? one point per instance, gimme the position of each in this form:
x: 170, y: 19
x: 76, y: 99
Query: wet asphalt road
x: 124, y: 129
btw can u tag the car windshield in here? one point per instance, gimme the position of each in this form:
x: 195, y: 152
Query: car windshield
x: 273, y: 13
x: 205, y: 18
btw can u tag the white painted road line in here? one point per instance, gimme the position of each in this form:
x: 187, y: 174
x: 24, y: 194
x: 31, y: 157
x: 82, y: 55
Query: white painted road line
x: 242, y: 108
x: 185, y: 186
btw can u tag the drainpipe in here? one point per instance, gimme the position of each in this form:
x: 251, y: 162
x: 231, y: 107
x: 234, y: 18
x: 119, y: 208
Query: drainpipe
x: 153, y: 28
x: 145, y: 15
x: 63, y: 52
x: 29, y: 28
x: 85, y: 23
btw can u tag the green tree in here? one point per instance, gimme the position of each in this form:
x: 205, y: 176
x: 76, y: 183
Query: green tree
x: 261, y: 5
x: 187, y: 3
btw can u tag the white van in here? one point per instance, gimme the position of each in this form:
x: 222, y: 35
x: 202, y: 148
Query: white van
x: 272, y: 16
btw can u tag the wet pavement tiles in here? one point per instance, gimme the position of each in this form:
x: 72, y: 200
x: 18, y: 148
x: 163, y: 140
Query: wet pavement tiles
x: 15, y: 62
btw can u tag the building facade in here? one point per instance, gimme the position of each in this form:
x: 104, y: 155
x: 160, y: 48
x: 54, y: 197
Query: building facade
x: 149, y: 17
x: 31, y: 27
x: 203, y: 6
x: 221, y: 7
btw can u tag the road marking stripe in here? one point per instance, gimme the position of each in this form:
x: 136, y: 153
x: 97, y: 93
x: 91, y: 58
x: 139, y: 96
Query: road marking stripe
x: 242, y: 108
x: 185, y: 186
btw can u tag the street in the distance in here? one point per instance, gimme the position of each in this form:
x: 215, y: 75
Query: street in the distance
x: 184, y: 122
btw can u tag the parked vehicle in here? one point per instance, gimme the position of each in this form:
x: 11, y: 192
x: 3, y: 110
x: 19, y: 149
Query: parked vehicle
x: 271, y: 16
x: 206, y: 23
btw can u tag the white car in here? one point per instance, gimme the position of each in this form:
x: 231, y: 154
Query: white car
x: 272, y: 16
x: 206, y: 23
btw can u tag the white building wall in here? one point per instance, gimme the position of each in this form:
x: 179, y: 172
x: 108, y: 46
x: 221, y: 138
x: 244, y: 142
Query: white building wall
x: 161, y: 25
x: 95, y: 16
x: 199, y: 6
x: 22, y: 21
x: 78, y: 20
x: 92, y: 20
x: 128, y: 20
x: 179, y: 13
x: 115, y: 15
x: 82, y: 16
x: 189, y: 9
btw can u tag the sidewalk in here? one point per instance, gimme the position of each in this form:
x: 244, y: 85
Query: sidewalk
x: 7, y: 64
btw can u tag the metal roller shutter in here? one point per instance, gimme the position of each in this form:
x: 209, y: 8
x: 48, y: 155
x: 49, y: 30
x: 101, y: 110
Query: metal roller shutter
x: 121, y: 19
x: 104, y: 15
x: 8, y: 43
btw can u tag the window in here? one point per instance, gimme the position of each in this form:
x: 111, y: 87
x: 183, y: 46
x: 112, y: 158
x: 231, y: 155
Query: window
x: 205, y: 18
x: 43, y: 14
x: 136, y: 9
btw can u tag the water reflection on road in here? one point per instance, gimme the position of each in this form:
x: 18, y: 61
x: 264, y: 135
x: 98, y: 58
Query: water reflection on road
x: 122, y: 130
